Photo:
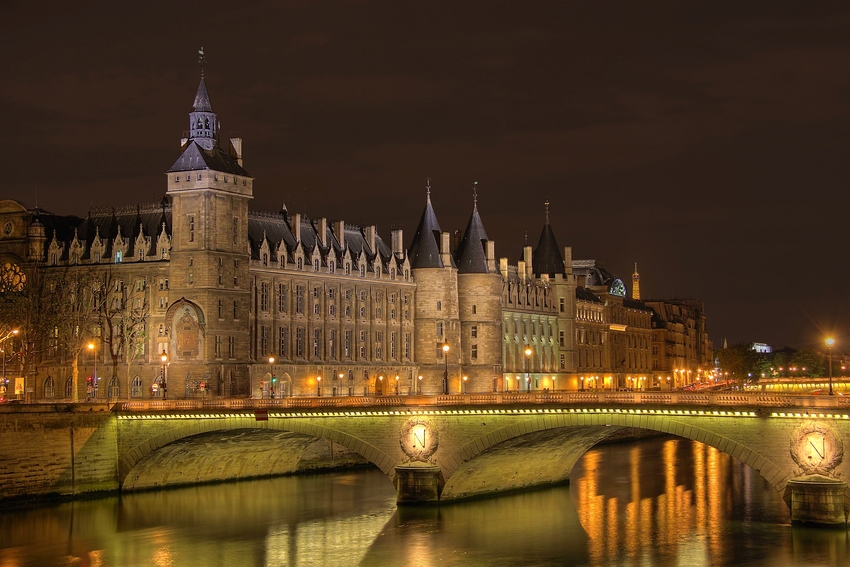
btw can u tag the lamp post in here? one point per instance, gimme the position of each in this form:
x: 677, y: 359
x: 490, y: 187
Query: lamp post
x: 319, y: 386
x: 446, y: 373
x: 829, y: 344
x: 396, y: 384
x: 464, y: 383
x: 164, y: 359
x: 92, y: 388
x: 420, y: 384
x: 273, y: 379
x: 340, y: 376
x: 527, y: 363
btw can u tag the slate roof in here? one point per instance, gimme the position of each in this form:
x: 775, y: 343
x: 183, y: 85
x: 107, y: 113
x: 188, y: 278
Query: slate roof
x: 194, y: 158
x: 425, y: 249
x: 547, y: 257
x: 471, y: 255
x: 202, y: 99
x: 586, y: 295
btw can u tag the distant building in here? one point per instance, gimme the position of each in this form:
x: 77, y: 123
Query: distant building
x: 761, y: 348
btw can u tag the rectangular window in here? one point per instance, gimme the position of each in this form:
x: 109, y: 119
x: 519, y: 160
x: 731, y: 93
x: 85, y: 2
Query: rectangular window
x: 231, y: 347
x: 218, y: 346
x: 299, y: 342
x: 283, y: 343
x: 563, y: 362
x: 379, y: 343
x: 439, y: 328
x: 299, y: 300
x: 264, y: 340
x: 235, y: 230
x: 392, y: 346
x: 264, y: 296
x: 473, y: 331
x: 316, y: 308
x: 235, y: 309
x: 561, y: 339
x: 474, y: 352
x: 407, y: 346
x: 282, y: 298
x: 220, y: 309
x: 317, y: 337
x: 332, y: 343
x: 191, y: 228
x: 347, y: 344
x: 562, y: 304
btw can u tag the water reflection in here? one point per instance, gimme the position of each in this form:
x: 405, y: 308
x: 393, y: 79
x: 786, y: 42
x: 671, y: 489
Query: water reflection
x: 657, y: 502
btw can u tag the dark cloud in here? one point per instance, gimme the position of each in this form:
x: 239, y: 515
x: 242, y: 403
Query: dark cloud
x: 707, y: 140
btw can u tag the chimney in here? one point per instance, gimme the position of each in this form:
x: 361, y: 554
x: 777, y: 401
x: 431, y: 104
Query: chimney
x: 398, y: 243
x: 370, y: 237
x: 236, y: 150
x: 445, y: 249
x: 568, y: 259
x: 458, y: 236
x: 526, y: 256
x: 323, y: 232
x: 503, y: 267
x: 339, y: 231
x: 296, y: 227
x: 491, y: 256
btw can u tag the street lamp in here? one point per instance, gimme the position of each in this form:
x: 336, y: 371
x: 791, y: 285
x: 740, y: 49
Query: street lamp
x: 446, y: 373
x: 319, y: 386
x: 92, y: 388
x: 271, y: 373
x: 164, y: 359
x: 829, y: 344
x: 464, y: 383
x: 396, y: 384
x: 420, y: 384
x: 527, y: 363
x: 341, y: 376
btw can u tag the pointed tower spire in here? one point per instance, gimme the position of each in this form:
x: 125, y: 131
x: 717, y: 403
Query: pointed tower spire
x: 471, y: 254
x: 636, y: 284
x: 425, y: 249
x: 203, y: 123
x: 547, y: 256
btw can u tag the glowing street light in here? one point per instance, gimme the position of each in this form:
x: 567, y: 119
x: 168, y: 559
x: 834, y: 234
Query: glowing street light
x: 446, y: 373
x: 164, y: 359
x: 527, y: 363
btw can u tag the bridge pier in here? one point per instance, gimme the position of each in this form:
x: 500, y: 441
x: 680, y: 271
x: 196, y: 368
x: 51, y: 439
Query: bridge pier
x: 817, y: 500
x: 418, y: 483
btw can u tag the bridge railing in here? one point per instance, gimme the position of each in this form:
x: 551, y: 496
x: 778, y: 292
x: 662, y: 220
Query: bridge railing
x: 500, y: 398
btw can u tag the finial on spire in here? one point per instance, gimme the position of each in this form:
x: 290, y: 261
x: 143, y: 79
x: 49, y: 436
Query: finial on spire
x: 636, y: 267
x: 475, y: 193
x: 546, y: 203
x: 201, y: 60
x: 428, y: 188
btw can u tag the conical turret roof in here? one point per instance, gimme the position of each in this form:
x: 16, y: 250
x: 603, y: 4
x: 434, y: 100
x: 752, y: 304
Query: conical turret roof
x: 425, y: 248
x: 471, y: 255
x: 202, y: 99
x: 547, y: 257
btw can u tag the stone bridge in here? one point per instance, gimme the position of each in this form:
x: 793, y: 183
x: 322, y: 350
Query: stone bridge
x: 450, y: 447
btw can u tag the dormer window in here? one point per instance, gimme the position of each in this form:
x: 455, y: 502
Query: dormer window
x: 119, y: 256
x: 316, y: 265
x: 199, y: 177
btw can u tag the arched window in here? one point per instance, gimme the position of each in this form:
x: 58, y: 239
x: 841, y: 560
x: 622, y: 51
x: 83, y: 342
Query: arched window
x: 69, y: 387
x: 136, y: 388
x: 49, y: 389
x: 207, y: 123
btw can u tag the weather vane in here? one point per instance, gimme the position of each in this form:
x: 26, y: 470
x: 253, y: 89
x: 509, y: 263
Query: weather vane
x: 475, y: 193
x: 428, y: 186
x: 201, y: 60
x: 546, y: 202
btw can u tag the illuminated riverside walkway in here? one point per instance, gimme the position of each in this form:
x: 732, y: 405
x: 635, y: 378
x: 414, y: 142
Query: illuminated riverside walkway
x: 470, y: 445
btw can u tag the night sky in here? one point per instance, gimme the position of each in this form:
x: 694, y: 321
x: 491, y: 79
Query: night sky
x: 706, y: 141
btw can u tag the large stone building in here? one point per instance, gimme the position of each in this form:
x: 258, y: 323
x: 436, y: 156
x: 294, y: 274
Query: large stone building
x: 246, y: 303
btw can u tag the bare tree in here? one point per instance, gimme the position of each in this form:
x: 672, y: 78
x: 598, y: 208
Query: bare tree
x: 125, y: 312
x: 29, y: 314
x: 78, y: 293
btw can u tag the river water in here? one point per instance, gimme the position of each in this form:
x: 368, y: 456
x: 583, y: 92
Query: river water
x: 662, y: 501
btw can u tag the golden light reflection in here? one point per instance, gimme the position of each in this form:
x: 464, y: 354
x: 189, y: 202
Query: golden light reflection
x: 681, y: 500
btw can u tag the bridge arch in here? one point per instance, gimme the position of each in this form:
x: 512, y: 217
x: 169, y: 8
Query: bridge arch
x: 595, y: 428
x: 182, y: 429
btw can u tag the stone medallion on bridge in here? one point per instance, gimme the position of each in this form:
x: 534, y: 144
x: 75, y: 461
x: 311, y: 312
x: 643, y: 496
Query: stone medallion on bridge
x: 419, y: 440
x: 817, y: 448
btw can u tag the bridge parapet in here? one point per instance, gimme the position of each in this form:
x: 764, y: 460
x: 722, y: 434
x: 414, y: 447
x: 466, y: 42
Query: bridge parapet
x: 495, y: 398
